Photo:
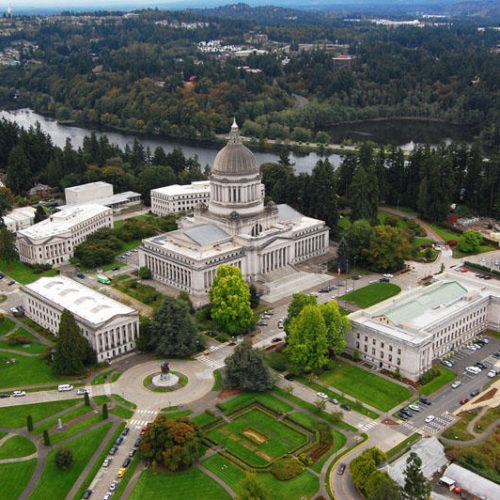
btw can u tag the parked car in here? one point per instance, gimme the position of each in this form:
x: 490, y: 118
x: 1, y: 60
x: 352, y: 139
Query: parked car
x: 125, y: 431
x: 113, y: 450
x: 81, y: 391
x: 384, y: 280
x: 113, y: 485
x: 322, y: 395
x: 464, y: 400
x: 121, y: 472
x: 80, y: 275
x: 87, y: 494
x: 475, y: 392
x: 492, y: 373
x: 414, y: 407
x: 425, y: 401
x: 107, y: 496
x: 471, y: 347
x: 137, y: 442
x: 481, y: 365
x: 18, y: 394
x: 473, y: 370
x: 456, y: 384
x: 289, y: 376
x: 341, y: 468
x: 126, y: 462
x: 10, y: 283
x: 2, y: 276
x: 387, y: 275
x: 334, y: 401
x: 402, y: 415
x: 447, y: 363
x: 277, y: 339
x: 345, y: 407
x: 429, y: 419
x: 119, y: 440
x: 132, y: 452
x: 106, y: 462
x: 4, y: 395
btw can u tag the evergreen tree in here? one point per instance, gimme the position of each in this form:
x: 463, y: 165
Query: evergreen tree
x: 172, y: 331
x: 245, y: 369
x: 6, y: 202
x: 324, y: 186
x: 40, y: 214
x: 72, y: 349
x: 104, y: 411
x: 29, y: 423
x: 342, y: 256
x: 8, y: 249
x: 46, y: 438
x: 416, y: 486
x: 230, y: 300
x: 63, y: 458
x: 19, y: 178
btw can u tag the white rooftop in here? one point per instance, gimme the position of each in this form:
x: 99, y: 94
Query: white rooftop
x: 60, y: 222
x: 80, y: 300
x: 179, y: 189
x: 109, y: 201
x: 20, y: 213
x: 90, y: 186
x: 473, y: 483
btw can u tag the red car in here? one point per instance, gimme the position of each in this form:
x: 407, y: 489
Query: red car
x: 464, y: 400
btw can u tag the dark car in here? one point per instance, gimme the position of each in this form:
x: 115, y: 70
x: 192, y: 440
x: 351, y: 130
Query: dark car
x: 406, y: 412
x: 464, y: 400
x: 345, y: 407
x: 261, y: 323
x: 402, y: 415
x: 80, y: 275
x: 119, y: 441
x: 277, y: 339
x: 126, y: 462
x: 425, y: 401
x: 341, y: 469
x: 384, y: 280
x: 113, y: 450
x: 290, y: 376
x: 10, y: 283
x: 125, y: 431
x: 481, y: 365
x: 137, y: 442
x: 475, y: 392
x: 87, y: 494
x: 4, y: 395
x: 2, y: 276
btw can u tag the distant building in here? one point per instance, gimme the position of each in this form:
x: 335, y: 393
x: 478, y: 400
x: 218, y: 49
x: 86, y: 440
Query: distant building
x: 111, y: 327
x: 179, y: 198
x: 409, y: 331
x: 53, y: 240
x: 342, y: 61
x: 41, y: 190
x: 19, y: 218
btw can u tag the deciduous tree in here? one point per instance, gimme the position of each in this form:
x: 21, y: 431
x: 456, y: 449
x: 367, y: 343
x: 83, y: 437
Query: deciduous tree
x: 250, y: 489
x: 299, y: 301
x: 230, y: 300
x: 388, y: 248
x: 470, y: 242
x: 63, y: 458
x: 337, y: 326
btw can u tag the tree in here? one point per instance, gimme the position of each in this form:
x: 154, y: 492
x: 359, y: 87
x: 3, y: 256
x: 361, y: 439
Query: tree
x: 104, y: 411
x: 172, y: 330
x: 8, y: 250
x: 86, y: 399
x: 470, y: 242
x: 364, y: 196
x: 299, y: 301
x: 63, y: 458
x: 40, y: 214
x: 29, y: 423
x: 6, y: 202
x: 254, y: 296
x: 72, y: 349
x: 230, y: 300
x: 416, y: 486
x: 388, y: 248
x: 250, y: 489
x: 380, y: 486
x: 46, y: 438
x: 324, y: 186
x: 337, y: 326
x: 358, y: 238
x: 174, y: 443
x: 246, y: 370
x: 307, y: 344
x: 144, y: 273
x: 343, y: 256
x: 19, y: 177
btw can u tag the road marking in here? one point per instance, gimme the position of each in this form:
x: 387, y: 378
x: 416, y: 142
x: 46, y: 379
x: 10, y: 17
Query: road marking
x: 367, y: 427
x: 212, y: 363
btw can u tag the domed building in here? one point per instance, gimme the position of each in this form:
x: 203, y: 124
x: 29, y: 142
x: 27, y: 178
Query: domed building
x: 235, y: 228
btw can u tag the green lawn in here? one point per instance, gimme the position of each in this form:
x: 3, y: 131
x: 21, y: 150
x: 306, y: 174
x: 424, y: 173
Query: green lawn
x: 188, y: 485
x: 76, y: 428
x: 368, y: 387
x: 6, y: 325
x: 31, y: 347
x: 55, y: 483
x: 119, y: 411
x: 245, y: 399
x: 15, y: 477
x: 372, y: 294
x: 280, y: 438
x: 24, y: 371
x: 435, y: 384
x: 65, y: 417
x: 444, y: 233
x: 15, y: 447
x: 22, y: 273
x: 121, y: 400
x: 15, y: 416
x: 204, y: 419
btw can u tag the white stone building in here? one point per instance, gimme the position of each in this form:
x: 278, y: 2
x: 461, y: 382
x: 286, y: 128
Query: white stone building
x: 235, y: 228
x: 411, y: 330
x: 179, y: 198
x: 19, y: 218
x: 53, y: 240
x: 85, y: 193
x: 110, y: 327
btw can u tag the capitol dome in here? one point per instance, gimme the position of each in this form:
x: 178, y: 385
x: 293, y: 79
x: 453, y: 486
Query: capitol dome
x: 234, y: 159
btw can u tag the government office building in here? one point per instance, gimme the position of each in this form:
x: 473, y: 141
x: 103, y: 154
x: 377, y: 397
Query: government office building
x: 408, y: 332
x: 111, y: 327
x: 234, y: 228
x: 179, y: 198
x: 53, y: 240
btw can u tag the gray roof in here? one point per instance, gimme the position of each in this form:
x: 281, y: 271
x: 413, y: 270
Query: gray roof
x: 473, y: 483
x: 287, y: 213
x: 205, y: 234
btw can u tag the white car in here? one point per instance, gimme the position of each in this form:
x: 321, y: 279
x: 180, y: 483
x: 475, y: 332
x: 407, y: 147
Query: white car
x: 388, y: 276
x: 473, y: 370
x: 492, y: 374
x: 414, y: 407
x: 82, y: 391
x: 471, y: 348
x: 322, y: 395
x: 429, y: 419
x: 18, y: 394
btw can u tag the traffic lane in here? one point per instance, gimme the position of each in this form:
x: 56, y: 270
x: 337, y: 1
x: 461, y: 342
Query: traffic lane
x: 45, y: 396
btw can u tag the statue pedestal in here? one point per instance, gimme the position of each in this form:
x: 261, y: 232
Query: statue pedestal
x: 165, y: 380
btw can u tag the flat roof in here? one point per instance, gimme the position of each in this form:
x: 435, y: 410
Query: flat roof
x: 90, y: 186
x: 206, y: 234
x: 62, y: 221
x: 473, y: 483
x: 178, y: 189
x: 81, y: 301
x: 112, y: 200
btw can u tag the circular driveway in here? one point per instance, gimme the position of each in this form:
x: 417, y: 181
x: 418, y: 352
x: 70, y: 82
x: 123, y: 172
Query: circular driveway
x: 131, y: 384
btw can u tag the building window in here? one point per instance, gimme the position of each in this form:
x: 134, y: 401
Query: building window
x: 373, y: 351
x: 399, y: 351
x: 390, y: 348
x: 382, y: 345
x: 390, y: 357
x: 357, y: 335
x: 357, y: 345
x: 382, y: 354
x: 399, y: 361
x: 374, y: 341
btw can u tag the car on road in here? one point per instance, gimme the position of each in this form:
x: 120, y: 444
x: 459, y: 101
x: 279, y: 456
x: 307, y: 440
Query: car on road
x: 473, y: 370
x: 81, y: 391
x: 371, y: 282
x: 113, y: 485
x: 429, y: 419
x: 132, y: 452
x: 87, y: 494
x: 289, y: 376
x: 474, y: 393
x: 107, y: 462
x: 341, y: 468
x: 113, y: 450
x: 115, y: 269
x: 2, y: 276
x: 456, y: 384
x: 414, y: 407
x: 345, y: 407
x: 261, y: 323
x: 80, y: 275
x: 18, y: 394
x: 464, y: 400
x: 119, y: 440
x: 322, y: 395
x: 277, y: 339
x: 107, y: 496
x: 387, y: 275
x: 333, y: 401
x: 384, y: 280
x: 280, y: 323
x: 10, y: 283
x: 137, y: 442
x: 121, y: 472
x: 126, y: 462
x: 64, y: 387
x: 4, y: 395
x: 125, y: 431
x: 425, y: 401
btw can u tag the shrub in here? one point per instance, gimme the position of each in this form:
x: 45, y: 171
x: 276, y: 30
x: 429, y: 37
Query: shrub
x: 64, y: 458
x: 18, y: 339
x: 287, y: 468
x: 306, y: 459
x: 430, y: 375
x: 452, y: 243
x: 325, y: 434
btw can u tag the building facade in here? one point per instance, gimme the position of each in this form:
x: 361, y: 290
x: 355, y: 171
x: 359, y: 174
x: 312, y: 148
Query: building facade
x: 85, y: 193
x: 409, y: 332
x: 19, y: 218
x: 235, y: 227
x: 53, y: 240
x: 179, y: 198
x: 110, y: 327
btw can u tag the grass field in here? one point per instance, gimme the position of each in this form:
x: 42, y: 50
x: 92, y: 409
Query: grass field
x: 365, y: 386
x: 31, y: 347
x: 14, y: 478
x: 278, y: 437
x: 55, y: 483
x: 188, y: 485
x: 17, y: 446
x: 435, y: 384
x: 372, y: 294
x: 15, y: 416
x: 6, y: 325
x: 22, y: 273
x: 65, y: 417
x: 204, y: 419
x: 119, y: 411
x: 459, y: 430
x: 245, y: 399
